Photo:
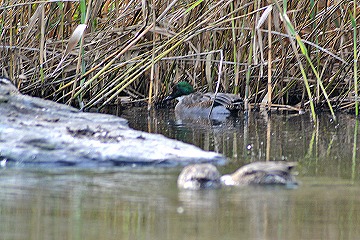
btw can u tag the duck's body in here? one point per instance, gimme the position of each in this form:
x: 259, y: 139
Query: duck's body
x: 262, y: 173
x: 199, y: 176
x: 205, y: 176
x: 201, y: 104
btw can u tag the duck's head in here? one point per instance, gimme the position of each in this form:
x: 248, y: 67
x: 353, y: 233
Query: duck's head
x: 199, y: 176
x: 180, y: 89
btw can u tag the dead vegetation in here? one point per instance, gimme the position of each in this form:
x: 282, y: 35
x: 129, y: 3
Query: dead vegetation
x: 290, y: 55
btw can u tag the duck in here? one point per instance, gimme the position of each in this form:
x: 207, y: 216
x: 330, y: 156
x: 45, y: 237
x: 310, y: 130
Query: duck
x: 199, y: 176
x: 206, y: 176
x: 202, y: 104
x: 262, y: 173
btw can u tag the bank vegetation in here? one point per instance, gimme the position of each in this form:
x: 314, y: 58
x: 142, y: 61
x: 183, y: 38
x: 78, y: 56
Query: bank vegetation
x: 288, y: 55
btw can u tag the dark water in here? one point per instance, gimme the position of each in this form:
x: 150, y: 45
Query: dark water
x: 144, y: 203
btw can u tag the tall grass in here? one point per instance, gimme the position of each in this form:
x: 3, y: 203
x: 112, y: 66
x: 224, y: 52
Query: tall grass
x: 139, y: 48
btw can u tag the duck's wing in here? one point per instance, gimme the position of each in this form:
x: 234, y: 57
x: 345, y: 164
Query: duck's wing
x: 205, y: 100
x: 229, y: 101
x: 275, y: 172
x: 197, y: 99
x: 271, y: 167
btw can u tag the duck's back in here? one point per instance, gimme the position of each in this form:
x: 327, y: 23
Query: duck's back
x: 201, y: 103
x: 273, y: 172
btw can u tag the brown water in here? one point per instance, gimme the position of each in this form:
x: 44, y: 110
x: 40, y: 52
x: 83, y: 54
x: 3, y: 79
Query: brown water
x: 144, y: 203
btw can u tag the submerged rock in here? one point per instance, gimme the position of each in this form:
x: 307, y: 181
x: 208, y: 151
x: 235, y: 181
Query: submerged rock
x: 37, y: 131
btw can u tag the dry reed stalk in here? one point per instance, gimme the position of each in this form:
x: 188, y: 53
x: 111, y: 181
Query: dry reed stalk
x: 124, y: 45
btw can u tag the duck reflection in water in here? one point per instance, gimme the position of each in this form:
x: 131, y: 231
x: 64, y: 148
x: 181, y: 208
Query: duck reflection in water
x: 206, y: 176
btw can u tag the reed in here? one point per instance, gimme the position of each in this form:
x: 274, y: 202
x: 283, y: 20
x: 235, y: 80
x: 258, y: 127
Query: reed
x: 353, y: 22
x: 139, y: 48
x: 354, y: 150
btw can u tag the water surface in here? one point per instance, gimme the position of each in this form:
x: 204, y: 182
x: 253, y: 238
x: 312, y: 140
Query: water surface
x: 144, y: 202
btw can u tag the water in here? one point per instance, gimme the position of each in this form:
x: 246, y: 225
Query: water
x: 144, y: 203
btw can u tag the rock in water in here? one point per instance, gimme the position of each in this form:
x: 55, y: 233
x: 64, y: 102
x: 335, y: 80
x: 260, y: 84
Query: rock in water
x: 37, y: 131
